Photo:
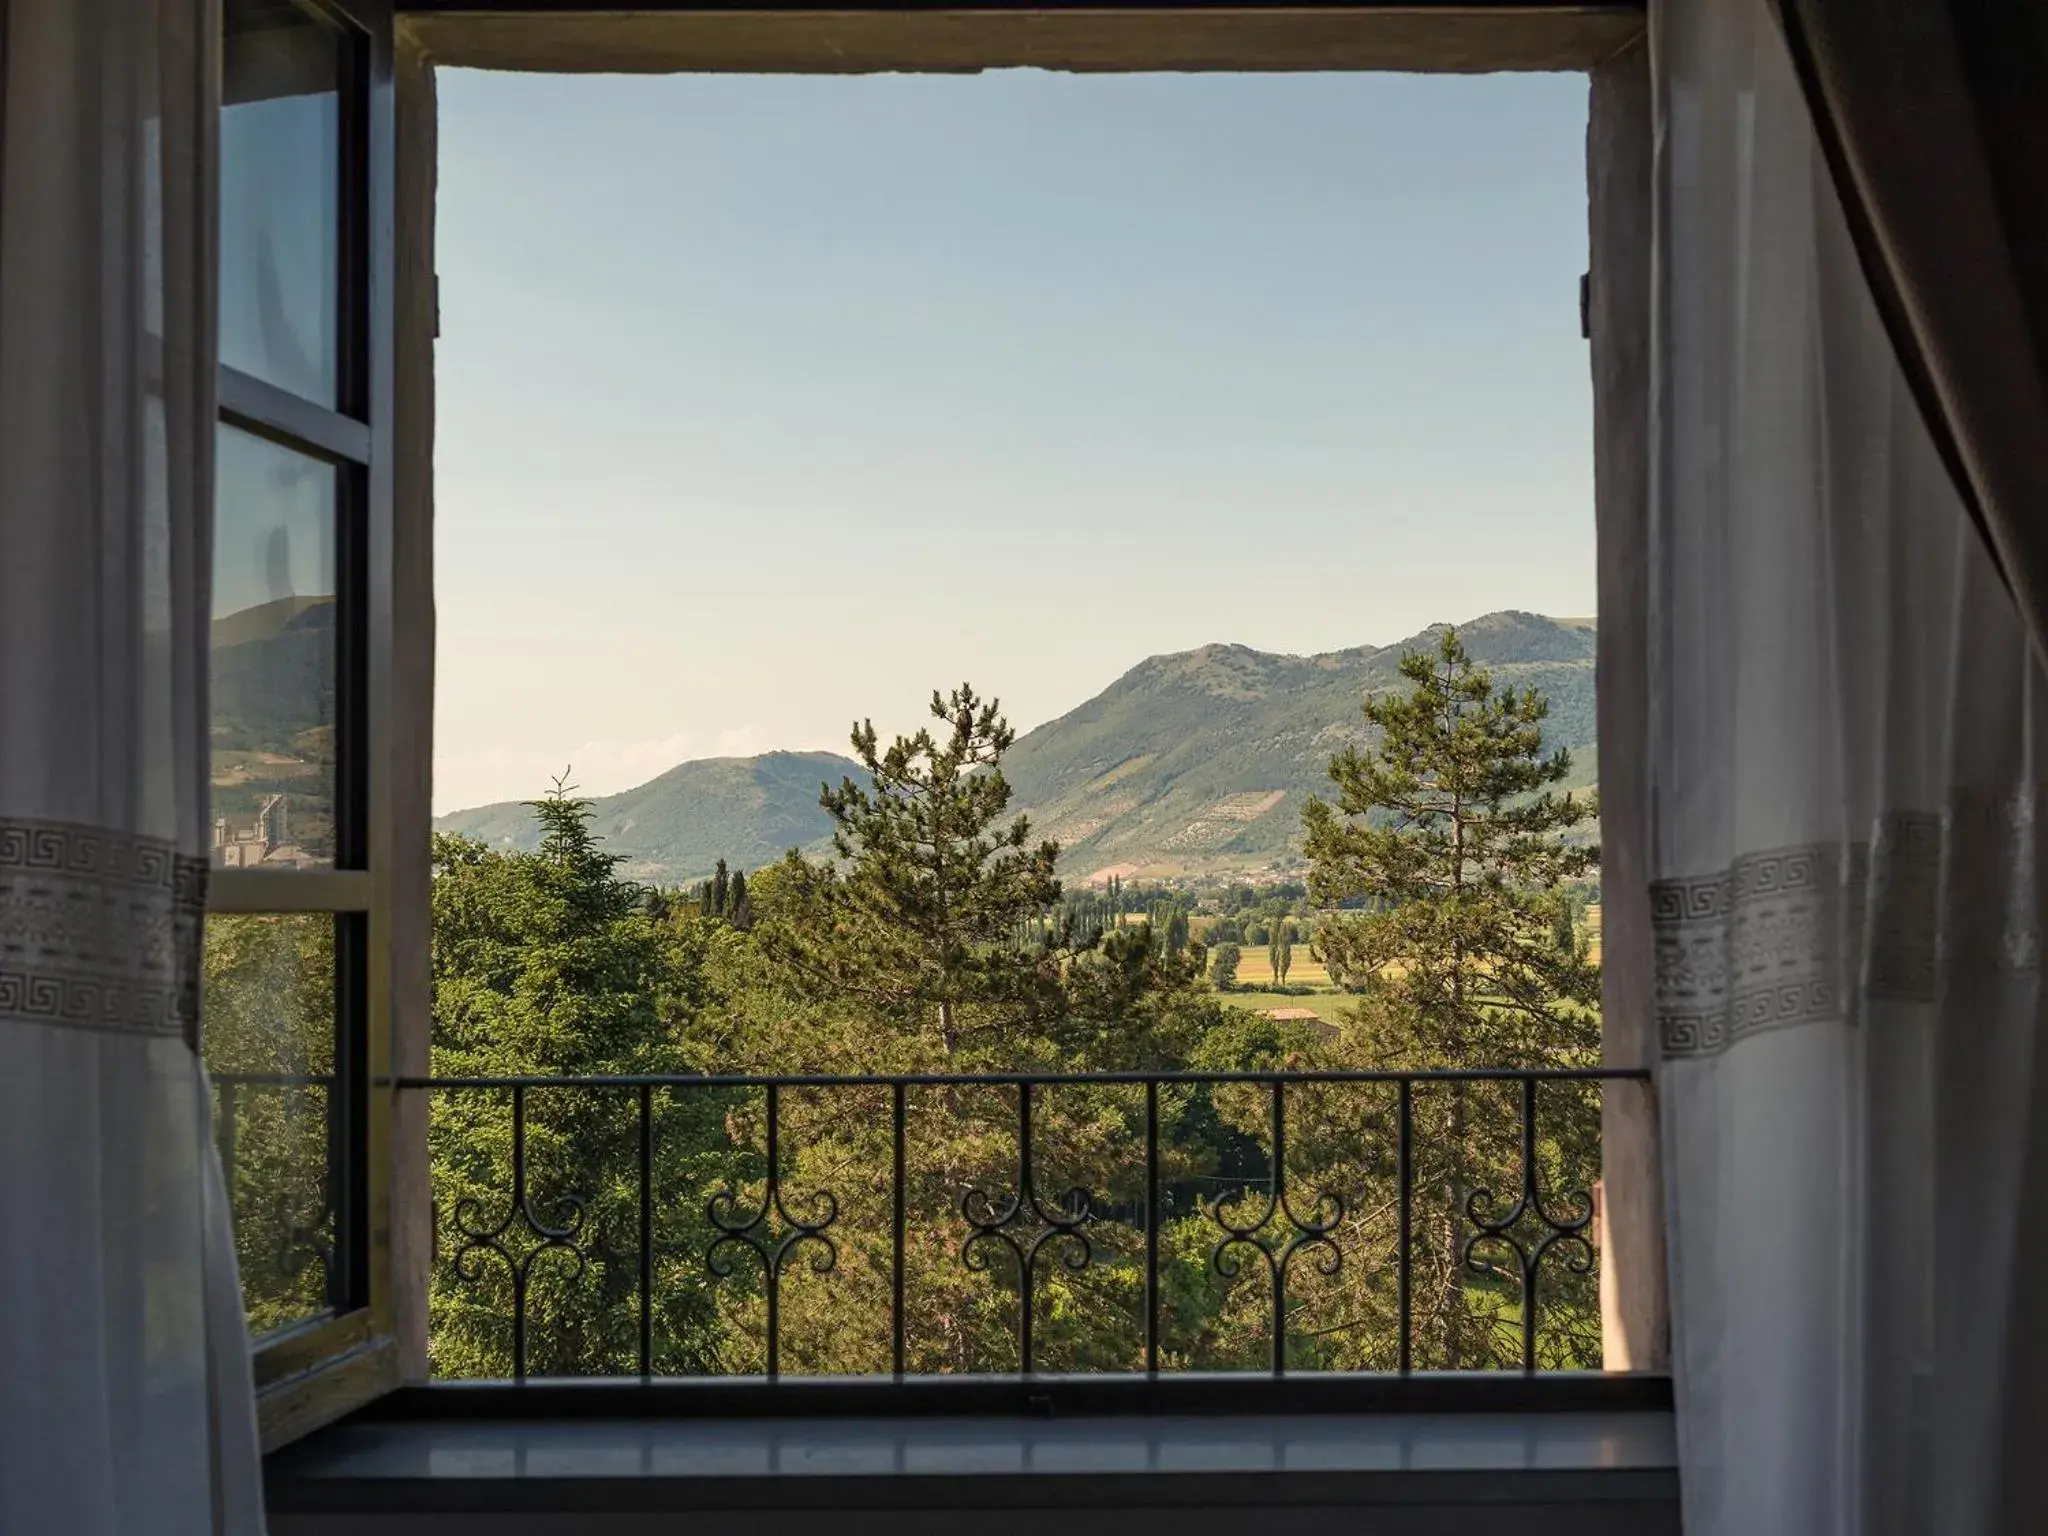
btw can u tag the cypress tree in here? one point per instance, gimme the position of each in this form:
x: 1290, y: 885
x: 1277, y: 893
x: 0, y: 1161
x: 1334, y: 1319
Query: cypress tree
x: 1177, y: 931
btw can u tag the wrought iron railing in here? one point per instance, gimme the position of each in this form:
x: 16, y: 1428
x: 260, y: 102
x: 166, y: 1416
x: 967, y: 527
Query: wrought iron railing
x: 1473, y: 1185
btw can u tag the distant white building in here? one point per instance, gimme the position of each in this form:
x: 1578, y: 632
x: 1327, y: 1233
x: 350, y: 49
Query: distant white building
x: 267, y: 840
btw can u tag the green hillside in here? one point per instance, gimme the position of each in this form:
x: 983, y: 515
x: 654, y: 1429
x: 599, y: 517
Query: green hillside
x: 273, y: 674
x: 1199, y: 762
x: 748, y: 811
x: 273, y: 715
x: 1189, y: 764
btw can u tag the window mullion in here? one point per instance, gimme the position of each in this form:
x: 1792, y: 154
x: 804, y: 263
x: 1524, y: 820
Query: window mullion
x: 288, y: 890
x: 290, y: 420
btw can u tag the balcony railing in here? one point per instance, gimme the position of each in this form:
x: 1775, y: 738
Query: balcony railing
x: 1024, y: 1224
x: 1352, y: 1219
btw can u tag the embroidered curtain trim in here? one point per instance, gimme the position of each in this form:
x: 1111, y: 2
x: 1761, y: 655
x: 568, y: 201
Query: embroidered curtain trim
x: 1779, y: 938
x: 99, y: 930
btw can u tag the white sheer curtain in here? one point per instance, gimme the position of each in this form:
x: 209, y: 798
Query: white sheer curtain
x: 1847, y: 758
x: 125, y: 1402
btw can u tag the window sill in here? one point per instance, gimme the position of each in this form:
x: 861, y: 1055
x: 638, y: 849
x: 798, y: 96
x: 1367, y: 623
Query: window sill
x: 1591, y: 1469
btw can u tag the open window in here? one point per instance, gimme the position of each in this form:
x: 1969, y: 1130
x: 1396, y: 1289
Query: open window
x: 297, y: 1007
x: 319, y: 982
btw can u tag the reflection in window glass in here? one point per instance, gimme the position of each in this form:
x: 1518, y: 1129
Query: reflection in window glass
x: 269, y: 1041
x: 280, y: 197
x: 273, y: 656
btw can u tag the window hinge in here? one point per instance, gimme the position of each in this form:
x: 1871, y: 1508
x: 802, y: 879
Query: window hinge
x: 1585, y: 306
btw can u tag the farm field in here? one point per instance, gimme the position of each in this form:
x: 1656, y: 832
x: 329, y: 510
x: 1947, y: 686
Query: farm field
x: 1327, y: 1006
x: 1254, y: 970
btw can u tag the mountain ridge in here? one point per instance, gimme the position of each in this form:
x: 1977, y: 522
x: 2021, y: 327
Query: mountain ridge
x: 746, y: 810
x: 1192, y: 763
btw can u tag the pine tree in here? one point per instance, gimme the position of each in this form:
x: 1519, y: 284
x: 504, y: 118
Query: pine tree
x: 1453, y: 833
x: 931, y: 882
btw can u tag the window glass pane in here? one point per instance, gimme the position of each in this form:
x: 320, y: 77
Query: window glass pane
x: 280, y: 197
x: 269, y: 1035
x: 274, y: 656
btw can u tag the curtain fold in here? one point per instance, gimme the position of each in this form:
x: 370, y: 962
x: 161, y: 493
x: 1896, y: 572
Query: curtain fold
x: 1933, y: 115
x: 1848, y: 752
x: 125, y: 1403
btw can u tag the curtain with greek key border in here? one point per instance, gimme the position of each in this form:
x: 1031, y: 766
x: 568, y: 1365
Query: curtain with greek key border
x: 125, y: 1399
x: 1848, y: 752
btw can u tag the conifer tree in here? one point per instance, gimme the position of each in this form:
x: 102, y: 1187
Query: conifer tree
x: 932, y: 883
x: 739, y: 911
x: 1452, y: 831
x: 549, y: 963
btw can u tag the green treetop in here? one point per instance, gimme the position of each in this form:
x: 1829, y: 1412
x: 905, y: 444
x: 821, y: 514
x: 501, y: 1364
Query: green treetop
x: 920, y: 918
x: 1451, y: 832
x: 1449, y: 842
x: 549, y: 963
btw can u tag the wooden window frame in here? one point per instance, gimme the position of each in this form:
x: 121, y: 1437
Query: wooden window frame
x: 313, y: 1376
x: 309, y: 1374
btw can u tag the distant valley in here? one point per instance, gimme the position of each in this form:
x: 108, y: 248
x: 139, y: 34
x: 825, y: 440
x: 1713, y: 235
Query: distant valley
x: 1189, y: 765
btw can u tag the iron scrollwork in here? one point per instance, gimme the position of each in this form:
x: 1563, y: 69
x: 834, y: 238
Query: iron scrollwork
x: 1263, y: 1228
x: 1026, y: 1226
x: 755, y: 1231
x: 1293, y: 1233
x: 1565, y: 1230
x: 557, y: 1236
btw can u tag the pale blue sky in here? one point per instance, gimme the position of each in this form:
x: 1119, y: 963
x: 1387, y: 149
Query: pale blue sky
x: 766, y: 402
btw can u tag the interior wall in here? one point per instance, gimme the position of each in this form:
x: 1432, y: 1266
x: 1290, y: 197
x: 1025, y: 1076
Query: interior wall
x: 1634, y: 1305
x: 416, y: 320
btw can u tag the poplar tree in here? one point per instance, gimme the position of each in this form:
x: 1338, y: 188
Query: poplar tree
x: 1177, y: 931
